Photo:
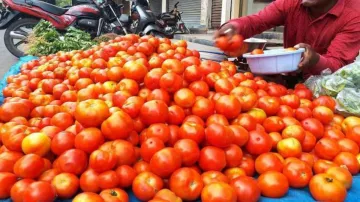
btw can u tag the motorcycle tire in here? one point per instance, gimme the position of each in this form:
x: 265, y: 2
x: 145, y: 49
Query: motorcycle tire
x: 30, y: 22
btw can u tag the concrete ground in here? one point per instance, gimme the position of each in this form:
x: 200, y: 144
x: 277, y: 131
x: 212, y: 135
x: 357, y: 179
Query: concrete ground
x: 6, y: 59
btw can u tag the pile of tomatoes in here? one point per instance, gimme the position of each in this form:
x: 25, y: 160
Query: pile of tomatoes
x: 146, y: 114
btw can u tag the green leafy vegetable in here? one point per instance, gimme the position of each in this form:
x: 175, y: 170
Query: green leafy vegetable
x: 46, y: 40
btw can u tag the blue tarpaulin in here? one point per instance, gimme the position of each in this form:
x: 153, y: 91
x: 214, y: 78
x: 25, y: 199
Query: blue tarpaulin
x: 294, y: 195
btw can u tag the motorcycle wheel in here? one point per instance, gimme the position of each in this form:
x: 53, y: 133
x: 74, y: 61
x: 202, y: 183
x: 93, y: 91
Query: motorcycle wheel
x: 16, y: 35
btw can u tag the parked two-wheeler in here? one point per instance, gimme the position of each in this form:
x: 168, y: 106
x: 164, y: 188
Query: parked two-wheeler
x: 142, y: 20
x: 172, y: 21
x: 18, y: 17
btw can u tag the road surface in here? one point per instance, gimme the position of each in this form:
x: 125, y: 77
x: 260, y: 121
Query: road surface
x: 6, y: 59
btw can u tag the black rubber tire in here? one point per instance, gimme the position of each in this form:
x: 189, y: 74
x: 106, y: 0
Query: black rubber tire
x: 7, y: 40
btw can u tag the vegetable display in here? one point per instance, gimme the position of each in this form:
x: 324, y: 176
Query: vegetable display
x: 343, y: 85
x: 46, y: 40
x: 146, y: 114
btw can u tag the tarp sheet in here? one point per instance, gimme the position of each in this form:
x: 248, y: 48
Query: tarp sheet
x: 294, y: 195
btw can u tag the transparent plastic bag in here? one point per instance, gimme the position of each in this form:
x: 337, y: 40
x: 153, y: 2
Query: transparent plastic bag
x: 348, y: 101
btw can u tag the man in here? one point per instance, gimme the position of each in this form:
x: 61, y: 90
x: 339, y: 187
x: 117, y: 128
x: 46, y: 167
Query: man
x: 329, y: 30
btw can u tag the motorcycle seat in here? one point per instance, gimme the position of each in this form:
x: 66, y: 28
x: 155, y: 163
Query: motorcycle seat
x: 43, y: 5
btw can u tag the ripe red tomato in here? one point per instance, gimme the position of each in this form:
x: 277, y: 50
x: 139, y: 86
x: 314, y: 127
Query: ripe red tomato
x: 73, y: 161
x: 7, y: 180
x: 125, y: 152
x: 270, y: 105
x: 219, y: 135
x: 298, y: 173
x: 268, y: 162
x: 327, y: 148
x: 29, y: 166
x: 246, y: 189
x: 62, y: 142
x: 66, y: 185
x: 273, y: 184
x: 154, y: 111
x: 126, y: 175
x: 89, y: 139
x: 39, y: 191
x: 324, y: 187
x: 159, y: 130
x: 101, y: 161
x: 273, y: 124
x: 189, y: 150
x: 193, y: 131
x: 164, y: 162
x: 212, y: 159
x: 114, y: 195
x: 145, y: 185
x: 259, y: 142
x: 91, y: 113
x: 8, y: 160
x: 18, y: 189
x: 349, y: 161
x: 186, y: 183
x: 219, y: 192
x: 213, y: 176
x: 149, y: 147
x: 314, y: 126
x: 118, y: 126
x: 89, y: 197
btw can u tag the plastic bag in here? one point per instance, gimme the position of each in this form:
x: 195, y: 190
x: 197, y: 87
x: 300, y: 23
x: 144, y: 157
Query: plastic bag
x: 343, y: 85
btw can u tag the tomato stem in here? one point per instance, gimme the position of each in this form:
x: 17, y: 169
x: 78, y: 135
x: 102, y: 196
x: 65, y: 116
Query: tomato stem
x: 328, y: 179
x: 113, y: 193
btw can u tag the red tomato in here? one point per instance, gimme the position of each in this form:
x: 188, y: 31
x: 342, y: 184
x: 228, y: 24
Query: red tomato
x: 88, y: 197
x: 268, y: 162
x: 126, y: 175
x: 273, y: 184
x: 219, y: 135
x: 18, y: 189
x: 189, y: 151
x: 246, y: 189
x: 165, y: 162
x: 259, y: 142
x: 298, y: 173
x: 212, y: 158
x: 66, y: 185
x: 91, y: 113
x: 101, y: 161
x: 145, y: 185
x: 39, y: 191
x: 324, y: 187
x: 7, y: 180
x: 234, y: 156
x: 73, y: 161
x: 29, y: 166
x: 89, y: 140
x: 219, y: 192
x: 149, y: 147
x: 114, y: 195
x: 186, y: 183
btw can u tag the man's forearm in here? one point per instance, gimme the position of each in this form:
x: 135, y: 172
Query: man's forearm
x: 326, y: 62
x: 271, y: 16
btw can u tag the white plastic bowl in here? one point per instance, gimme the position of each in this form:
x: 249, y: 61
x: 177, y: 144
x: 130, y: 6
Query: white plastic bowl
x: 274, y: 61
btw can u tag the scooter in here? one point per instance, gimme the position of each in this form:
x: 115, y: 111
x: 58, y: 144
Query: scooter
x: 142, y: 20
x: 172, y: 21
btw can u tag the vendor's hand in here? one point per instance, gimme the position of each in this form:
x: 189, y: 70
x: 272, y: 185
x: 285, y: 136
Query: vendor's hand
x: 310, y: 56
x: 227, y: 29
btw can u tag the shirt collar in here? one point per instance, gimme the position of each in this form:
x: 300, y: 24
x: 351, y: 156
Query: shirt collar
x: 338, y: 8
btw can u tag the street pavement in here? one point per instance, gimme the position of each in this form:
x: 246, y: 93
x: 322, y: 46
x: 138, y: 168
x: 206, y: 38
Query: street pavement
x: 6, y: 59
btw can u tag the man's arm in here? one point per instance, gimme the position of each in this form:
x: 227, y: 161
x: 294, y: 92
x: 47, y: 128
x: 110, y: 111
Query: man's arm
x: 271, y: 16
x: 343, y: 49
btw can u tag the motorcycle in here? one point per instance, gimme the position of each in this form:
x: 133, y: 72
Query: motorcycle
x: 97, y: 17
x: 172, y: 21
x: 142, y: 20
